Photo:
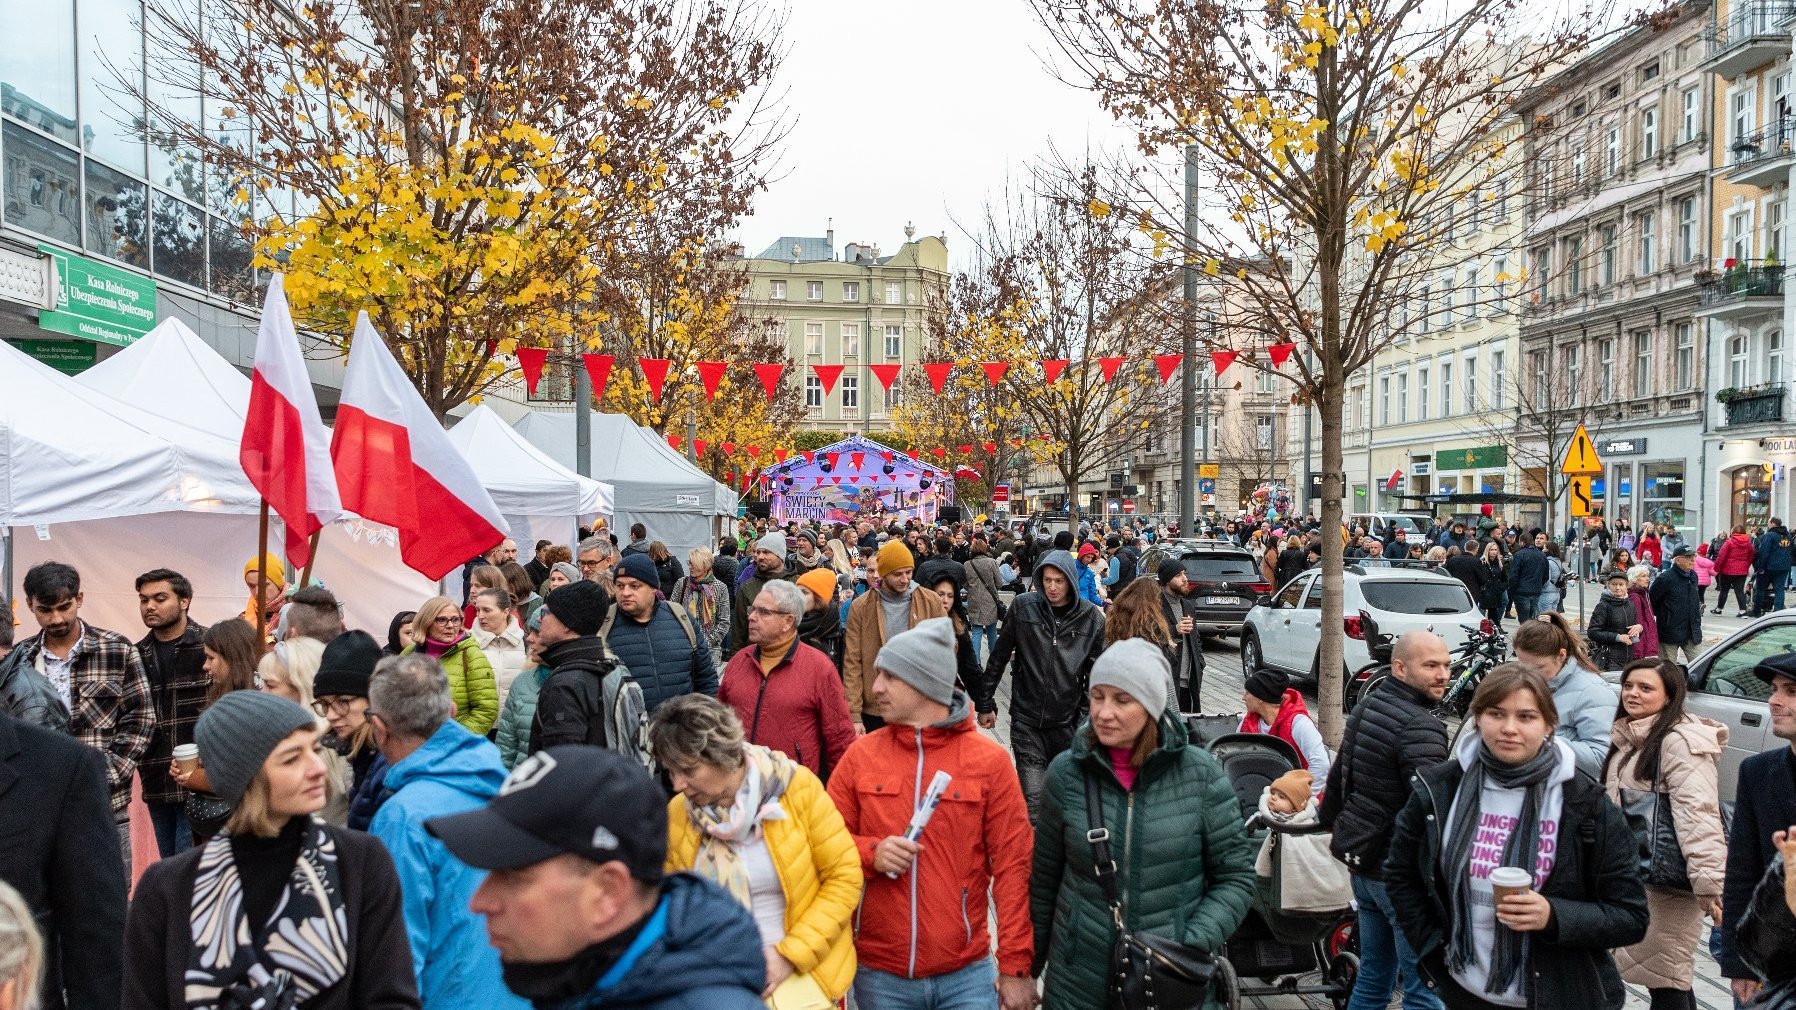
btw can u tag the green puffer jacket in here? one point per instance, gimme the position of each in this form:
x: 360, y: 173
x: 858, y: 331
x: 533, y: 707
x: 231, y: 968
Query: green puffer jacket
x: 471, y: 685
x: 1184, y: 863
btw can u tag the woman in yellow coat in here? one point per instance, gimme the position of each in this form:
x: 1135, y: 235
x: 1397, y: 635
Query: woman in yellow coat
x: 760, y: 824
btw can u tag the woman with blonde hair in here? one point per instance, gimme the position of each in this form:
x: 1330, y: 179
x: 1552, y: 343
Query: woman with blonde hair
x: 439, y: 632
x: 288, y: 670
x: 21, y: 953
x: 707, y: 599
x: 1137, y: 613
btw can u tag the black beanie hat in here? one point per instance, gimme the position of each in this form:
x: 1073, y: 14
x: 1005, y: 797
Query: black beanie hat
x: 1268, y: 685
x: 580, y: 605
x: 1169, y: 569
x: 347, y: 665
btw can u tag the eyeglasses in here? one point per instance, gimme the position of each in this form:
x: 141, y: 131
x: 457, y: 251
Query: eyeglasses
x: 325, y: 706
x: 447, y: 619
x: 765, y: 612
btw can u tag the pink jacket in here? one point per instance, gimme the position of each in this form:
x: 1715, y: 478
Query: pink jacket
x: 1705, y: 571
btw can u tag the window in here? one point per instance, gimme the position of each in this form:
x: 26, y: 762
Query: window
x: 1446, y: 370
x: 1262, y: 431
x: 1740, y: 105
x: 1611, y: 91
x: 1500, y: 199
x: 813, y: 291
x: 893, y: 396
x: 1643, y: 363
x: 1692, y: 121
x: 1384, y: 399
x: 776, y: 291
x: 813, y: 340
x: 1422, y: 393
x: 1611, y: 239
x: 1499, y: 379
x: 894, y: 340
x: 1574, y: 369
x: 1612, y: 151
x: 1577, y: 173
x: 851, y: 291
x: 1605, y: 369
x: 1649, y: 72
x: 1774, y: 230
x: 813, y: 393
x: 1774, y: 356
x: 894, y: 292
x: 1543, y: 267
x: 1645, y: 223
x: 43, y: 180
x: 1471, y: 383
x: 1427, y: 298
x: 1402, y: 397
x: 37, y: 65
x: 1574, y: 266
x: 851, y: 340
x: 1499, y: 286
x: 1469, y: 311
x: 1736, y: 360
x: 1537, y: 366
x: 115, y: 216
x: 1649, y: 133
x: 1686, y: 356
x: 1686, y: 229
x: 1737, y: 236
x: 851, y: 395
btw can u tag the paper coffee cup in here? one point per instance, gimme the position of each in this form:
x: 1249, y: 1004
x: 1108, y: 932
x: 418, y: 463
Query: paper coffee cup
x: 1508, y: 880
x: 187, y: 756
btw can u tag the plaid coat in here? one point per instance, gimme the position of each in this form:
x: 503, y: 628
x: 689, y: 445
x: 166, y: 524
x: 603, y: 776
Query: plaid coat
x: 180, y: 696
x: 110, y: 709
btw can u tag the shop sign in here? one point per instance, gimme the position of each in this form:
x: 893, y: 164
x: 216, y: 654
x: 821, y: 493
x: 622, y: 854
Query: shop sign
x: 1778, y: 444
x: 1622, y: 447
x: 97, y: 301
x: 70, y: 357
x: 1487, y: 457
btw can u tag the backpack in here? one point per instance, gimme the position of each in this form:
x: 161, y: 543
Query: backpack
x: 679, y: 613
x: 626, y: 717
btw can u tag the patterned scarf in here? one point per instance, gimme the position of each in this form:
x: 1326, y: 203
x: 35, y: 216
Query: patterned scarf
x: 305, y: 940
x: 723, y: 830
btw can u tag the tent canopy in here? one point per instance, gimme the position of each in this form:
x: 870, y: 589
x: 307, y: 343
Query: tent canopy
x: 523, y: 480
x: 171, y: 371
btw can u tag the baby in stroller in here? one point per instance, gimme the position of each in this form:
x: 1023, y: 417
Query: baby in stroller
x: 1310, y: 878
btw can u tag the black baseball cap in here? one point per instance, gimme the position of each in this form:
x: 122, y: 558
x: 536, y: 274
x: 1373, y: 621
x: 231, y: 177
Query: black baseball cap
x: 587, y: 801
x: 1773, y: 667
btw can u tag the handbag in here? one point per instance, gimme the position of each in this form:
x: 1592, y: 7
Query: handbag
x: 1003, y: 611
x: 1649, y: 816
x: 799, y: 992
x: 206, y: 813
x: 1147, y: 972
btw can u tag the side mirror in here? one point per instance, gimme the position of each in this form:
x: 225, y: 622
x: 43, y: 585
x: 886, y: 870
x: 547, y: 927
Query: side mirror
x: 1265, y: 600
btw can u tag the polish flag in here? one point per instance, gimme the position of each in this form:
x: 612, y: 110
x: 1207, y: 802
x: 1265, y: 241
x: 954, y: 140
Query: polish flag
x: 285, y: 450
x: 396, y: 465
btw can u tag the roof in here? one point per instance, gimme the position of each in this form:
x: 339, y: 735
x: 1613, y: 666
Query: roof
x: 811, y: 248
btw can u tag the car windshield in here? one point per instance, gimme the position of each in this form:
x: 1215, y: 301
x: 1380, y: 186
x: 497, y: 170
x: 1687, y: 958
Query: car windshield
x: 1399, y: 597
x: 1731, y: 673
x: 1221, y: 569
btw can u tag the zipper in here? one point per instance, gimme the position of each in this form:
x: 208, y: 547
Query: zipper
x: 916, y: 801
x: 1128, y: 835
x: 964, y: 920
x: 754, y: 727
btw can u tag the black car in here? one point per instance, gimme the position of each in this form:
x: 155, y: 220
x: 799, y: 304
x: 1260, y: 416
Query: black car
x: 1225, y: 581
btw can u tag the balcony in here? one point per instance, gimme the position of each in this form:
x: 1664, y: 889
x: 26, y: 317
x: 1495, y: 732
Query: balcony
x: 1752, y: 405
x: 1742, y: 291
x: 1763, y: 159
x: 1751, y: 34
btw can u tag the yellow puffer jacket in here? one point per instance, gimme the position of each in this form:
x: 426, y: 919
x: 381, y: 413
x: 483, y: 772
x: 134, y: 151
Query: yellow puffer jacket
x: 819, y: 870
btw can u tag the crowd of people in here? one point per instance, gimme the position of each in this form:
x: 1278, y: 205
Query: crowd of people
x: 610, y: 777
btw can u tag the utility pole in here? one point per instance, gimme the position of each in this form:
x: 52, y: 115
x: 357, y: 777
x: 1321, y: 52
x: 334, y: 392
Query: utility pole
x: 1188, y: 374
x: 582, y: 417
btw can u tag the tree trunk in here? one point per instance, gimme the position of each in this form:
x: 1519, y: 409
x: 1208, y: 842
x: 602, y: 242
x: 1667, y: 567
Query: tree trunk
x: 1330, y: 683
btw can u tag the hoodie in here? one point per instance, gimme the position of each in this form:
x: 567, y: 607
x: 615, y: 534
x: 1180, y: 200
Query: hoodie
x: 452, y: 772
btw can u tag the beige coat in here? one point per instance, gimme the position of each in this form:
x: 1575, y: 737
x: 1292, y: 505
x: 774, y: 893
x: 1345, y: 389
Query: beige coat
x: 866, y: 633
x: 1688, y: 772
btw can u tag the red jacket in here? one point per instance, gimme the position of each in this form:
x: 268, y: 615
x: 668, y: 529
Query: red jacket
x: 1735, y: 556
x: 1289, y: 708
x: 1649, y: 552
x: 932, y: 920
x: 798, y: 709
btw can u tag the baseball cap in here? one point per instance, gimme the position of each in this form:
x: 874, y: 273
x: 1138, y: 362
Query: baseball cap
x: 1782, y: 665
x: 587, y: 801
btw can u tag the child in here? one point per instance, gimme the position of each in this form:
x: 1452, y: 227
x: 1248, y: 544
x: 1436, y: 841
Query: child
x: 1614, y: 624
x: 1309, y: 878
x: 1705, y: 571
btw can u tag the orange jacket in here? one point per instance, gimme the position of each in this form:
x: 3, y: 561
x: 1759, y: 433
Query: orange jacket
x: 932, y: 920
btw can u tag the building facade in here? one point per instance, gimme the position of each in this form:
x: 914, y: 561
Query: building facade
x: 860, y: 310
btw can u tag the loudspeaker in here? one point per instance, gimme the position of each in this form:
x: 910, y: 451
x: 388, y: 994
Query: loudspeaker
x: 760, y: 510
x: 948, y: 514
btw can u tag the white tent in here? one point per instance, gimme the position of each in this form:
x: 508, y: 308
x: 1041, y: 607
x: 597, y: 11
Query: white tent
x: 655, y: 485
x: 540, y: 498
x: 171, y: 371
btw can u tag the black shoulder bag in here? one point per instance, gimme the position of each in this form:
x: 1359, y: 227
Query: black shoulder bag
x: 1147, y: 972
x: 1003, y: 611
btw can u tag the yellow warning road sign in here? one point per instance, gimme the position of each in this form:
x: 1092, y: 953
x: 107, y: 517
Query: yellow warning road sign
x: 1581, y: 458
x: 1210, y: 470
x: 1579, y: 487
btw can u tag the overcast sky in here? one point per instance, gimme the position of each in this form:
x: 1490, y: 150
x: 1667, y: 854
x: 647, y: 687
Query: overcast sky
x: 914, y: 112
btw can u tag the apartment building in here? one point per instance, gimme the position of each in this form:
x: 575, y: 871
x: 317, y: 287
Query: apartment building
x: 859, y: 310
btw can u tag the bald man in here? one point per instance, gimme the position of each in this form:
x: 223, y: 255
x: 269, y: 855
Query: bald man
x: 1391, y: 734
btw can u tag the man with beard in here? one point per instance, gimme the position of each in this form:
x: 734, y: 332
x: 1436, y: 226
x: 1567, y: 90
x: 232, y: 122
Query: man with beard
x: 892, y: 606
x: 174, y: 660
x: 806, y: 557
x: 1187, y: 642
x: 769, y: 565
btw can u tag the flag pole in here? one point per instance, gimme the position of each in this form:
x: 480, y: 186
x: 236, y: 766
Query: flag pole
x: 262, y: 574
x: 305, y: 577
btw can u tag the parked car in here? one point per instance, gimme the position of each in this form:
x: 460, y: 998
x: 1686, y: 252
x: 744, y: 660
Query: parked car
x: 1284, y: 631
x: 1225, y: 581
x: 1380, y: 524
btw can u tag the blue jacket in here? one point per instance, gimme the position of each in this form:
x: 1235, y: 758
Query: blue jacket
x: 698, y: 951
x: 1586, y: 714
x: 454, y: 771
x: 659, y: 655
x: 1528, y: 572
x: 1088, y: 586
x: 1773, y: 553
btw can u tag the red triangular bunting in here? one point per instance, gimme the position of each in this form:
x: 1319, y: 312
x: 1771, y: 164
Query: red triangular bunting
x: 940, y: 453
x: 938, y: 374
x: 963, y: 449
x: 886, y: 456
x: 1110, y: 365
x: 1281, y: 353
x: 598, y: 369
x: 1169, y: 363
x: 530, y: 362
x: 1222, y: 360
x: 754, y: 452
x: 699, y: 444
x: 829, y: 374
x: 492, y: 348
x: 837, y: 478
x: 994, y: 371
x: 729, y: 476
x: 810, y: 456
x: 770, y: 378
x: 711, y: 373
x: 1051, y: 369
x: 886, y: 374
x: 832, y: 458
x: 857, y: 460
x: 854, y: 479
x: 779, y: 455
x: 729, y: 448
x: 989, y: 447
x: 654, y: 372
x: 674, y: 441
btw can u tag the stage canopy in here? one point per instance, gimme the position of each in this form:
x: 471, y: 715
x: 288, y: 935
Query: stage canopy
x: 856, y: 478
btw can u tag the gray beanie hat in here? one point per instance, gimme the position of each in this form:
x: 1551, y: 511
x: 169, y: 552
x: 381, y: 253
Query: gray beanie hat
x: 775, y: 542
x: 923, y: 657
x: 237, y: 732
x: 1137, y: 666
x: 571, y: 572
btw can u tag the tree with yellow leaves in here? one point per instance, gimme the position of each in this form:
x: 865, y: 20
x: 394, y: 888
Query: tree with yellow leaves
x: 470, y: 172
x: 1340, y: 145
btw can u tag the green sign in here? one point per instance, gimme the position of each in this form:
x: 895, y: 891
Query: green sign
x: 70, y: 357
x: 1488, y: 457
x: 99, y: 302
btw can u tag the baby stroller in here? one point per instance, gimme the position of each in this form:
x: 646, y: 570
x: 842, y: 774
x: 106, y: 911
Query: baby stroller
x: 1297, y: 954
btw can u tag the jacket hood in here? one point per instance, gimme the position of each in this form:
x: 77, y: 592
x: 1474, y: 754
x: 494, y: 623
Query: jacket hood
x: 452, y: 758
x: 708, y: 941
x: 1702, y: 735
x: 586, y: 648
x: 1062, y: 560
x: 960, y: 712
x: 1467, y: 752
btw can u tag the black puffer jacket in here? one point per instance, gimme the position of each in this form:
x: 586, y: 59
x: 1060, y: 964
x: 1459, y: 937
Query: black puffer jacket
x: 1390, y: 736
x: 1054, y: 652
x: 28, y: 695
x: 570, y: 708
x: 1610, y: 620
x: 1677, y: 603
x: 1471, y: 571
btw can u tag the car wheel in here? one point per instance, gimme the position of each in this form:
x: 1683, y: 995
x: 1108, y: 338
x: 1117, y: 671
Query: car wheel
x: 1251, y: 657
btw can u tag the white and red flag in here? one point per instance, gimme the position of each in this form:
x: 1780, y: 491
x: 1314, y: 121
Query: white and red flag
x: 396, y: 465
x: 285, y: 450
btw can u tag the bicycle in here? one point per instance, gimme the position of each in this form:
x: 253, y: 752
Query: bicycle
x: 1482, y: 650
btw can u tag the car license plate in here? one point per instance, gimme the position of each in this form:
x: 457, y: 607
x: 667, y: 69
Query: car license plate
x: 1221, y: 601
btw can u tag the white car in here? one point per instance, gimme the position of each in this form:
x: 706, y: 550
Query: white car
x: 1284, y: 631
